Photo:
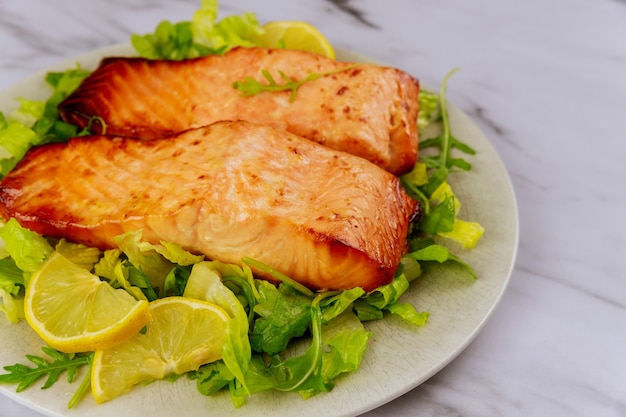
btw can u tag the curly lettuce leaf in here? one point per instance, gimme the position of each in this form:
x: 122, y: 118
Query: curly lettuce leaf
x: 203, y: 35
x: 11, y: 277
x: 15, y: 140
x: 84, y: 256
x: 28, y: 249
x: 37, y: 122
x: 146, y: 258
x: 205, y: 283
x: 12, y: 306
x: 26, y: 252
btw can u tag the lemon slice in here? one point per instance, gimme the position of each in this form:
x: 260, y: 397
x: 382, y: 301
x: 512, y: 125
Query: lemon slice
x: 182, y: 335
x: 72, y: 310
x: 296, y: 35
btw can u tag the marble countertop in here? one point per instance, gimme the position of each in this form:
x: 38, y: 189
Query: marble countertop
x: 546, y: 82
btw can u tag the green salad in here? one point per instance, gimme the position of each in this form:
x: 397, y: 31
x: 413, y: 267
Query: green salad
x: 259, y: 354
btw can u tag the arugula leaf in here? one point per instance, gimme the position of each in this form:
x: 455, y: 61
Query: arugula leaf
x: 300, y: 372
x: 25, y: 375
x: 337, y: 304
x: 440, y: 254
x: 283, y: 314
x: 249, y: 86
x: 176, y: 280
x: 440, y: 219
x: 137, y: 278
x: 428, y: 180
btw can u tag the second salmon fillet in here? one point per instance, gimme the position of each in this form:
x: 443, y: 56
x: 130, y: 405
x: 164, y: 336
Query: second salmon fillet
x: 367, y: 110
x: 229, y: 190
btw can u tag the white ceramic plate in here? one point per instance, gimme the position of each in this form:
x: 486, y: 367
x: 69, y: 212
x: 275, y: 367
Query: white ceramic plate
x: 399, y: 358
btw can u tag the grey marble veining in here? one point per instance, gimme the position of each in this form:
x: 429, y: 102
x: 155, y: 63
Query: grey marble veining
x: 546, y: 82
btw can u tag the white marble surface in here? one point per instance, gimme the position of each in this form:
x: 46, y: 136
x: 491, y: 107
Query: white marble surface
x: 546, y: 81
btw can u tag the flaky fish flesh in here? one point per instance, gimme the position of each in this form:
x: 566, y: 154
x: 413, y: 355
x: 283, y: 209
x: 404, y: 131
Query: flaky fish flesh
x: 229, y: 190
x: 366, y: 110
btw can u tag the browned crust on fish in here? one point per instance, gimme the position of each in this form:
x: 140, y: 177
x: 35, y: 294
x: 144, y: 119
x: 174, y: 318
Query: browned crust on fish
x: 368, y: 110
x: 328, y: 219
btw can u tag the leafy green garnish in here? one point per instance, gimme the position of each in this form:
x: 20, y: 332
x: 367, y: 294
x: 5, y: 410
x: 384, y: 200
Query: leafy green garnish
x: 201, y: 36
x: 11, y: 277
x: 25, y: 375
x: 28, y: 249
x: 432, y: 252
x: 236, y: 352
x: 83, y: 256
x: 283, y: 314
x: 15, y: 140
x: 11, y: 305
x: 428, y: 110
x: 427, y: 182
x: 249, y: 86
x: 37, y: 122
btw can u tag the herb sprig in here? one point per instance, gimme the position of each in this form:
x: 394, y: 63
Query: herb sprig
x: 249, y: 86
x: 428, y: 184
x: 25, y: 375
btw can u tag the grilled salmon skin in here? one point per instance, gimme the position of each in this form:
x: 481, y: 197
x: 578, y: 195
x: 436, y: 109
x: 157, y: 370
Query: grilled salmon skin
x: 232, y: 189
x: 367, y: 110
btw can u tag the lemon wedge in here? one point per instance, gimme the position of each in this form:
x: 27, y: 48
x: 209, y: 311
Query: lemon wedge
x: 72, y: 310
x: 182, y: 335
x: 296, y: 34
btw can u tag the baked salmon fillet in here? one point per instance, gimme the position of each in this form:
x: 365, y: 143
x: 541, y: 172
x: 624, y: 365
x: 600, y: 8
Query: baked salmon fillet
x: 367, y: 110
x: 229, y: 190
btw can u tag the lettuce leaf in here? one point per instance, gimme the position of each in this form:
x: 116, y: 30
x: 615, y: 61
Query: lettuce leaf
x: 15, y: 140
x: 428, y: 104
x: 145, y: 257
x: 28, y: 249
x: 11, y: 277
x: 37, y: 122
x: 236, y: 352
x: 345, y: 340
x: 11, y: 306
x: 201, y: 36
x: 232, y: 31
x: 83, y: 256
